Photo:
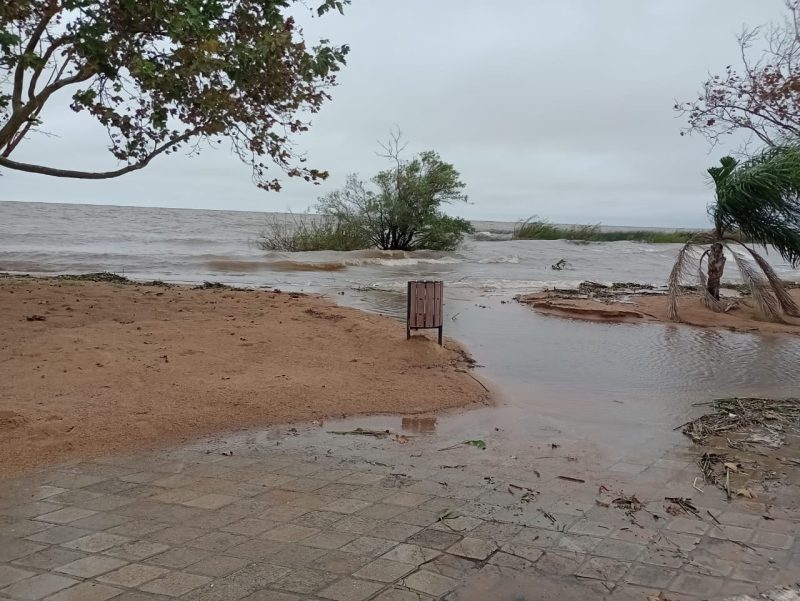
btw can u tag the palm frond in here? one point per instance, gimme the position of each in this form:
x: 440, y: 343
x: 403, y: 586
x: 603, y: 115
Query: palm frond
x: 786, y: 302
x: 761, y: 199
x: 767, y: 304
x: 680, y: 272
x: 708, y: 300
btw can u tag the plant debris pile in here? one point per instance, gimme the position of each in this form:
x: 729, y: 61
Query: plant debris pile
x: 738, y: 415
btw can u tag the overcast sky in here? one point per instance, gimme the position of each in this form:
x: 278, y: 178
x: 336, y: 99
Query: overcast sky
x: 561, y: 108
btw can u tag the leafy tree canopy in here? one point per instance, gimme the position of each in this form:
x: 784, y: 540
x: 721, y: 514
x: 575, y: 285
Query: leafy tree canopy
x: 402, y: 208
x: 165, y: 74
x: 761, y: 97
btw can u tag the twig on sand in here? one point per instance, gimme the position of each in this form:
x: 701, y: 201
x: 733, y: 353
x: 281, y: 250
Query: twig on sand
x: 477, y: 380
x: 571, y: 479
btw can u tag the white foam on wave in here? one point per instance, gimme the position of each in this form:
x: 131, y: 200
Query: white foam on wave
x: 513, y: 259
x: 402, y: 261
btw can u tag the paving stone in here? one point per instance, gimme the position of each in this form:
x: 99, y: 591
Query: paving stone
x: 31, y: 510
x: 401, y: 595
x: 618, y: 549
x: 66, y: 515
x: 340, y: 562
x: 139, y: 596
x: 395, y: 531
x: 435, y: 539
x: 406, y: 499
x: 604, y: 568
x: 473, y: 548
x: 319, y: 519
x: 368, y: 545
x: 531, y: 554
x: 283, y: 513
x: 505, y: 560
x: 137, y: 550
x: 294, y: 556
x: 176, y: 535
x: 38, y: 587
x: 329, y: 540
x: 22, y: 528
x: 133, y: 575
x: 91, y: 566
x: 773, y: 539
x: 59, y: 534
x: 689, y: 525
x: 350, y: 589
x: 289, y: 533
x: 14, y: 548
x: 211, y: 501
x: 648, y: 575
x: 49, y: 558
x: 218, y: 565
x: 429, y: 583
x: 345, y: 505
x: 137, y: 528
x: 256, y: 549
x: 45, y: 491
x: 178, y: 558
x: 698, y: 585
x: 576, y: 543
x: 304, y: 580
x: 217, y: 541
x: 417, y: 517
x: 100, y: 521
x: 661, y: 556
x: 384, y: 570
x: 562, y: 564
x: 361, y: 478
x: 266, y: 595
x: 356, y: 524
x: 10, y: 575
x: 537, y: 537
x: 86, y: 591
x: 735, y: 518
x: 462, y: 523
x: 249, y: 526
x: 175, y: 584
x: 734, y: 533
x: 99, y: 541
x: 381, y: 511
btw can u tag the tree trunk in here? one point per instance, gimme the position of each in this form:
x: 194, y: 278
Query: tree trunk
x: 716, y: 265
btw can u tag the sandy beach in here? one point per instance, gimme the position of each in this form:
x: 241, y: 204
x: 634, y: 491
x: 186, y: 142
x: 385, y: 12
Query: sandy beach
x: 91, y: 368
x: 647, y: 307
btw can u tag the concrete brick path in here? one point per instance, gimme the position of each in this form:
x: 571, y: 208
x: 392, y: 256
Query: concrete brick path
x: 301, y: 514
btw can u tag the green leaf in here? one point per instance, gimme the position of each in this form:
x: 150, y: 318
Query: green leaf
x: 476, y: 443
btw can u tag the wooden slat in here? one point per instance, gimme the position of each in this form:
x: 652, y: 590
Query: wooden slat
x: 420, y: 308
x: 437, y: 305
x: 429, y: 306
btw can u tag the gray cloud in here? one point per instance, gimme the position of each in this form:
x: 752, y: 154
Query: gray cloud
x: 556, y: 107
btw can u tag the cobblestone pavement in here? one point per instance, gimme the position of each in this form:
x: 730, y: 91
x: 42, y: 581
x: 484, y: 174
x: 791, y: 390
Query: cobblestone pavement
x: 292, y: 514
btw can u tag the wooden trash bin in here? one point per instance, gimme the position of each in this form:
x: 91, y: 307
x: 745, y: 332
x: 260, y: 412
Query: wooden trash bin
x: 425, y: 306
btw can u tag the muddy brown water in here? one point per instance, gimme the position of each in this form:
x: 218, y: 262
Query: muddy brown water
x: 619, y: 384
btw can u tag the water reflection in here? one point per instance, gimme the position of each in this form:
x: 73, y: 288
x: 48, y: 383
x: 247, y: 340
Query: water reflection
x: 419, y: 425
x: 606, y: 380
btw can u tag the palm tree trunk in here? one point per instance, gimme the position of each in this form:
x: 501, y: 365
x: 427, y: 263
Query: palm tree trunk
x: 716, y: 265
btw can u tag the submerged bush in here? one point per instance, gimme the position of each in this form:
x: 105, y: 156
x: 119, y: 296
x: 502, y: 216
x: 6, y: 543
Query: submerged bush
x: 534, y: 228
x: 298, y: 233
x: 398, y: 209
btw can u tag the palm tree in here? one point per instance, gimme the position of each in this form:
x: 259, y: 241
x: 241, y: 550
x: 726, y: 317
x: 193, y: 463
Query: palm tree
x: 757, y: 204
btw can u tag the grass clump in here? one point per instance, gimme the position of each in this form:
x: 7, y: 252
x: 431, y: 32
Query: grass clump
x: 534, y: 228
x: 299, y: 233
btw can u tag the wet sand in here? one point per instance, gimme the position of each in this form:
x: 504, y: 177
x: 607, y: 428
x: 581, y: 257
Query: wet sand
x: 643, y: 307
x: 91, y: 368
